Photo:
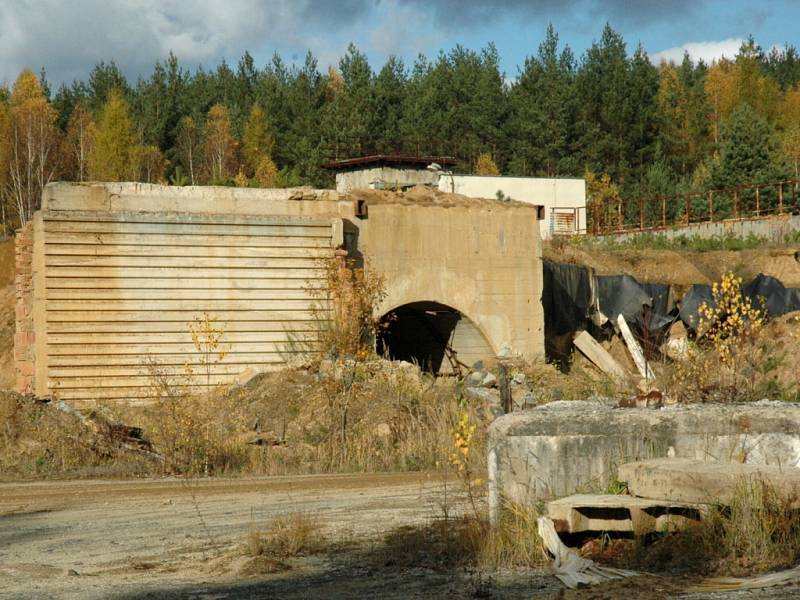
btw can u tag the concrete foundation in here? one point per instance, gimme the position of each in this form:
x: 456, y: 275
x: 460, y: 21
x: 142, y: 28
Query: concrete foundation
x: 571, y: 447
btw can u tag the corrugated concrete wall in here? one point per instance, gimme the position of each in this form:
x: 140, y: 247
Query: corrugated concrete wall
x: 118, y: 271
x: 115, y: 292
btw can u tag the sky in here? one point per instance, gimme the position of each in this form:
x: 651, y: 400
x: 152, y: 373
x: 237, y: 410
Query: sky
x: 68, y: 37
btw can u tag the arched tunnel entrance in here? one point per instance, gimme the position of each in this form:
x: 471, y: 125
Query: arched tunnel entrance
x: 435, y: 336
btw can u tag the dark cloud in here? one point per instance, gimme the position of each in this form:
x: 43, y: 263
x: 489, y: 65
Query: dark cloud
x: 468, y: 13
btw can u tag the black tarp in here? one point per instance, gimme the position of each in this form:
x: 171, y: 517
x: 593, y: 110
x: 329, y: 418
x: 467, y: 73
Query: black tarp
x: 566, y: 297
x: 777, y: 299
x: 567, y: 302
x: 697, y: 295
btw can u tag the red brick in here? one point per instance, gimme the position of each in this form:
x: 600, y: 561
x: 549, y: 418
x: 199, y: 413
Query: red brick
x: 25, y: 367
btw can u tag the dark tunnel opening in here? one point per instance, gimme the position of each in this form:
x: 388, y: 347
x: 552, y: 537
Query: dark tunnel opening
x: 420, y: 333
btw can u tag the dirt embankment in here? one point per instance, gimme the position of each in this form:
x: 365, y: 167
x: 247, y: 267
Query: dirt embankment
x: 7, y: 301
x: 682, y: 267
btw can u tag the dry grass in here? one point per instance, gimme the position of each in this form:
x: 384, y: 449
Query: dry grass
x: 292, y: 534
x: 468, y: 541
x: 337, y: 417
x: 38, y: 440
x: 758, y: 532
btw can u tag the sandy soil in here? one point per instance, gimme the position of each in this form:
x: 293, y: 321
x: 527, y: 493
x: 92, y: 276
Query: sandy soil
x: 164, y: 539
x: 682, y: 267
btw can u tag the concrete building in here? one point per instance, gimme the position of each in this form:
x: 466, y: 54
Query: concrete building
x: 564, y: 200
x: 386, y: 172
x: 108, y: 277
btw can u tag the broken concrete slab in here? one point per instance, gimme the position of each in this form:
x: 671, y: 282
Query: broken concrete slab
x: 620, y: 513
x: 566, y: 447
x: 695, y: 481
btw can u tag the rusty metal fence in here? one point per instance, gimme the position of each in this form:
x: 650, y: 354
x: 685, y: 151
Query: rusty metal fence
x: 650, y: 214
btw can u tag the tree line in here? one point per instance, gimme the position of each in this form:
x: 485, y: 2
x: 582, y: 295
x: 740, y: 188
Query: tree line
x: 633, y: 128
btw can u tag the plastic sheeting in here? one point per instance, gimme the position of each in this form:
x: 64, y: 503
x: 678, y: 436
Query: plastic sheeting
x: 573, y: 298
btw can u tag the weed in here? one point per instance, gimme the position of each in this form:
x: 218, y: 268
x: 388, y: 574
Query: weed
x: 292, y: 534
x: 733, y: 359
x: 758, y: 531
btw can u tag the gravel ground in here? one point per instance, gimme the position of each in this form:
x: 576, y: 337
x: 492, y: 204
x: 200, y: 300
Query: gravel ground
x: 166, y: 539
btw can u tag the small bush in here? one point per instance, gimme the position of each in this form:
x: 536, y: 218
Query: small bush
x: 292, y: 534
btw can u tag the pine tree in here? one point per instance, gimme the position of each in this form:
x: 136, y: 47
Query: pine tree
x: 390, y: 96
x: 749, y: 152
x: 543, y: 111
x: 113, y: 156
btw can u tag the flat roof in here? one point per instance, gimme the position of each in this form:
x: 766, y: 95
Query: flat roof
x: 376, y: 159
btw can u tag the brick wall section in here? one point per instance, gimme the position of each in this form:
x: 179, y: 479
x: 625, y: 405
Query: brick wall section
x: 24, y: 336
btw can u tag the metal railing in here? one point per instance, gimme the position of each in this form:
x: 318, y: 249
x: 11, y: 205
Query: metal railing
x: 735, y: 203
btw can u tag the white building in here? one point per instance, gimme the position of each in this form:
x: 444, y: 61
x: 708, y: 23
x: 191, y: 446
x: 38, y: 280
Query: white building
x: 564, y: 200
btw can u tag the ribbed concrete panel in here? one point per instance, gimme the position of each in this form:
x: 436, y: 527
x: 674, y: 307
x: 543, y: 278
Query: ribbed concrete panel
x: 121, y: 289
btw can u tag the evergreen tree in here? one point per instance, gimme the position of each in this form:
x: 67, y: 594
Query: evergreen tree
x: 749, y: 153
x: 390, y: 97
x: 543, y: 111
x: 102, y: 80
x: 113, y: 155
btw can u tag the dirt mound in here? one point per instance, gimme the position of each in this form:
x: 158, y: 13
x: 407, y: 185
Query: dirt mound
x: 681, y: 267
x: 422, y: 195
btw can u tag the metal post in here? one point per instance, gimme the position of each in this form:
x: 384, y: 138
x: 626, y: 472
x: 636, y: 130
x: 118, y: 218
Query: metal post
x: 710, y: 206
x: 641, y: 213
x: 758, y: 201
x: 663, y: 211
x: 688, y: 209
x: 736, y: 203
x: 780, y: 198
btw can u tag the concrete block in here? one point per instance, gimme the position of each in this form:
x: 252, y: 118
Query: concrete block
x: 683, y: 480
x: 563, y: 448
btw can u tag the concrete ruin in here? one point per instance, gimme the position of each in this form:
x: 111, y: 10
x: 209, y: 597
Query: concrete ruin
x: 564, y: 447
x: 110, y: 275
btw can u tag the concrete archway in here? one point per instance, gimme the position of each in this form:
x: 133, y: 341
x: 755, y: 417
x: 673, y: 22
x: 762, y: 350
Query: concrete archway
x: 437, y: 337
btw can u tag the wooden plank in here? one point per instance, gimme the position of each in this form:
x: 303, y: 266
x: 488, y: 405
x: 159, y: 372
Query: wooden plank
x: 179, y: 359
x: 181, y: 316
x: 599, y: 356
x: 201, y: 251
x: 188, y: 238
x: 176, y: 326
x: 163, y: 348
x: 195, y: 295
x: 694, y: 481
x: 181, y: 262
x: 182, y: 283
x: 189, y: 272
x: 634, y: 349
x: 620, y: 513
x: 207, y: 229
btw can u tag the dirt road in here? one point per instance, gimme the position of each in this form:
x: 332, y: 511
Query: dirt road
x: 137, y: 540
